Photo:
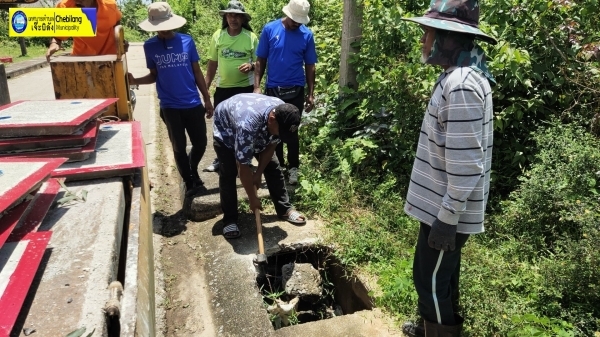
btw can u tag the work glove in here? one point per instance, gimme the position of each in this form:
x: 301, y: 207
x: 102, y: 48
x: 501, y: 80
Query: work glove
x: 442, y: 236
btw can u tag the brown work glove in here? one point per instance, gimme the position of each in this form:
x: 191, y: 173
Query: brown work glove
x: 442, y: 236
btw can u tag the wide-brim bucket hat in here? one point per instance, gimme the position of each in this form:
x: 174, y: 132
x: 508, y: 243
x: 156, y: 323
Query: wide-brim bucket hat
x: 235, y: 6
x: 161, y: 18
x: 460, y: 16
x: 297, y: 10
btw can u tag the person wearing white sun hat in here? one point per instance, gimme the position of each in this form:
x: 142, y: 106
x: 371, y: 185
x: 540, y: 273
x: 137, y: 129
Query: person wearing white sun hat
x: 172, y: 59
x: 289, y: 48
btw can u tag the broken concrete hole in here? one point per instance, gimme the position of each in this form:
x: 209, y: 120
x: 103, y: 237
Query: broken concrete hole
x: 309, y: 284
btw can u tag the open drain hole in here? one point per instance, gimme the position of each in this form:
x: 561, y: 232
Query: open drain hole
x: 309, y: 284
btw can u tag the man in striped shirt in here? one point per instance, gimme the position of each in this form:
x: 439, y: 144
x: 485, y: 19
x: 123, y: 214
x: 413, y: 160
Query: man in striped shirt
x: 449, y: 183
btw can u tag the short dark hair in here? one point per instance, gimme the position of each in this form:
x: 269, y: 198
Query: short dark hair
x: 288, y: 117
x: 286, y: 109
x: 245, y: 24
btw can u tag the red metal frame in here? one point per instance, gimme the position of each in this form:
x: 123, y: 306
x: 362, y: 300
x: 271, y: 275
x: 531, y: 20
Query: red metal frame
x: 137, y: 155
x: 29, y: 183
x: 89, y: 132
x: 14, y: 295
x: 41, y: 204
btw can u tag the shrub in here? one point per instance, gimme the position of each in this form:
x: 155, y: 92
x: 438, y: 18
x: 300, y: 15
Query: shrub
x: 558, y: 197
x: 541, y: 75
x: 555, y: 215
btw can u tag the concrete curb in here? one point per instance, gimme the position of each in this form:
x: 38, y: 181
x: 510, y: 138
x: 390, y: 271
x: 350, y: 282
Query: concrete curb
x: 14, y: 70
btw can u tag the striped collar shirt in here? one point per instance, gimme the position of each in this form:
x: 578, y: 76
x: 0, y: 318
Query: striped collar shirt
x: 451, y: 173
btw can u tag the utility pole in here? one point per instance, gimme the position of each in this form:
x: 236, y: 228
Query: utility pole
x: 351, y: 32
x: 4, y: 95
x: 23, y: 47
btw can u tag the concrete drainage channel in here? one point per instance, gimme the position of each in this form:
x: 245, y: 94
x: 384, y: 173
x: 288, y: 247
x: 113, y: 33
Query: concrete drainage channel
x: 222, y: 295
x: 309, y: 284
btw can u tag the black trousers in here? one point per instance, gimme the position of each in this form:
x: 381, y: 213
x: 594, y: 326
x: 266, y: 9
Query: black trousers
x: 178, y: 121
x: 222, y: 94
x: 293, y: 146
x: 228, y: 187
x: 436, y: 275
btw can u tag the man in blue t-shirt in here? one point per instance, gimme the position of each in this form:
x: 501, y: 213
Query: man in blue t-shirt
x: 250, y: 126
x: 289, y: 48
x: 173, y: 62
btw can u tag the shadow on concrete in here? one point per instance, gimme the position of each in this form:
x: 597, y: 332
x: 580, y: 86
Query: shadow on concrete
x: 248, y: 242
x: 169, y: 225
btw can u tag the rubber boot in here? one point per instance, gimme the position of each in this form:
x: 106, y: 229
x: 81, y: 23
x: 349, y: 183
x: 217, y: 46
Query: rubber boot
x: 438, y: 330
x: 414, y: 329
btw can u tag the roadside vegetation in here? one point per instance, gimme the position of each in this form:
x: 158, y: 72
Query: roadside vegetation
x: 536, y: 270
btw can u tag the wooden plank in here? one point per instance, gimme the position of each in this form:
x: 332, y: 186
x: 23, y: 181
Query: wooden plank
x: 123, y: 105
x: 139, y: 302
x: 93, y: 58
x: 124, y: 109
x: 86, y: 77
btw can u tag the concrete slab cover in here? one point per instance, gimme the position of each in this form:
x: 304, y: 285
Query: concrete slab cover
x: 20, y: 176
x: 83, y: 261
x: 44, y: 118
x: 19, y: 262
x: 39, y: 207
x: 70, y: 58
x: 11, y: 219
x: 25, y: 144
x: 119, y: 151
x: 72, y: 154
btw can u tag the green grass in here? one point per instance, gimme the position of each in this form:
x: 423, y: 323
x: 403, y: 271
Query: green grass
x: 501, y: 292
x: 13, y: 50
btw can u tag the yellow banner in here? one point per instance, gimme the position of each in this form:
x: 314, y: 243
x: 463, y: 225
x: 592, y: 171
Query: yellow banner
x: 59, y: 22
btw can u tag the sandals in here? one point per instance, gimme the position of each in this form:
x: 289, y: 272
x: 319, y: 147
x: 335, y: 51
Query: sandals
x: 231, y: 231
x: 294, y: 217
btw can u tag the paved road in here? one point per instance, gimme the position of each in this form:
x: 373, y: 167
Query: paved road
x: 37, y: 85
